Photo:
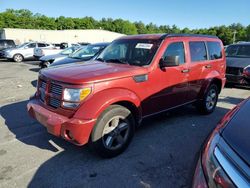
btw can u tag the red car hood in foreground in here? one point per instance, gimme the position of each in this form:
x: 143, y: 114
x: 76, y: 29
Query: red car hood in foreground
x: 93, y: 71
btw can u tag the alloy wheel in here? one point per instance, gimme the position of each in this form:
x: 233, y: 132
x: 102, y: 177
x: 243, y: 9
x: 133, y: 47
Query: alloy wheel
x: 115, y: 133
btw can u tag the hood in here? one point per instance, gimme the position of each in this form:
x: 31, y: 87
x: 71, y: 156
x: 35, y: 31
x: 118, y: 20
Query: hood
x: 92, y: 71
x: 237, y: 132
x: 50, y: 57
x: 237, y: 62
x: 65, y: 61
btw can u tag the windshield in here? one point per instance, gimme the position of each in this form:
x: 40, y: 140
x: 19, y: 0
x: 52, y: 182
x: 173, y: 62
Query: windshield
x: 86, y: 52
x: 130, y: 51
x: 68, y: 51
x: 238, y: 51
x: 22, y: 45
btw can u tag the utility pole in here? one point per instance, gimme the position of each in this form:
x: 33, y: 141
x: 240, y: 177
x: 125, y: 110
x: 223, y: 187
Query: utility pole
x: 234, y: 37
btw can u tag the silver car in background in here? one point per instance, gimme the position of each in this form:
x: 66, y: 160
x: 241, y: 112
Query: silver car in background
x: 24, y: 51
x: 46, y: 60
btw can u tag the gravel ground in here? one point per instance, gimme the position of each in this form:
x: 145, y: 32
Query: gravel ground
x: 163, y: 152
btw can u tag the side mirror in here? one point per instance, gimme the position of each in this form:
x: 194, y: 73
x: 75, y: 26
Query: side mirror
x: 169, y: 61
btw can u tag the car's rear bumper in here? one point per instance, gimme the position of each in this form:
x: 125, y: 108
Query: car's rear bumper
x: 73, y: 130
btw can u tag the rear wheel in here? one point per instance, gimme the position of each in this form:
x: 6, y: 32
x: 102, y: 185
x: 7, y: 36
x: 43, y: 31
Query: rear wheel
x: 18, y: 58
x: 209, y: 101
x: 113, y: 131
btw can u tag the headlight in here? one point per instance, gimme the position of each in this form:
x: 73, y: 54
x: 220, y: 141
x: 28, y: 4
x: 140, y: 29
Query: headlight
x: 76, y: 95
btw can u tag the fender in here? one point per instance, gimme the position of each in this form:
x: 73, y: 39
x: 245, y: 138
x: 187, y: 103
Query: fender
x: 93, y: 107
x: 211, y: 77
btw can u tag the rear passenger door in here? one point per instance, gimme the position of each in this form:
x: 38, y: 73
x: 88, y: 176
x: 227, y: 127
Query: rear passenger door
x: 199, y: 66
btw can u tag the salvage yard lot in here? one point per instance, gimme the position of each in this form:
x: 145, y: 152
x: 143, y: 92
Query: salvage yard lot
x: 163, y: 152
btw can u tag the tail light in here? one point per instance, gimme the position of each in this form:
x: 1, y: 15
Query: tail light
x: 213, y: 172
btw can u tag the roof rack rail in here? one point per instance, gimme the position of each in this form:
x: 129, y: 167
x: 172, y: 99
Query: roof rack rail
x: 188, y: 35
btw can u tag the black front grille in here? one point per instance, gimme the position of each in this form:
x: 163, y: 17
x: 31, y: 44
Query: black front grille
x: 56, y: 89
x: 42, y: 89
x: 55, y: 103
x: 43, y: 84
x: 234, y: 70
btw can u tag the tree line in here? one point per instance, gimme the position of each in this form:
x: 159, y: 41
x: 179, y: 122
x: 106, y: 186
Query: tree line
x: 25, y: 19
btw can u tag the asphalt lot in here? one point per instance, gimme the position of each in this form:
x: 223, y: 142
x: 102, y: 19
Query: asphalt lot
x: 163, y: 152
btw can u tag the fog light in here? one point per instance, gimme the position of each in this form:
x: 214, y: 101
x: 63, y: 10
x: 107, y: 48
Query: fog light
x: 69, y: 135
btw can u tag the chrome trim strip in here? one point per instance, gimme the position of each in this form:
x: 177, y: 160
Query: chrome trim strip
x: 231, y: 171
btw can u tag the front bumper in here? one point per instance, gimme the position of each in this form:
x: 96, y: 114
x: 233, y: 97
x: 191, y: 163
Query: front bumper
x: 237, y: 79
x: 1, y: 53
x: 8, y: 55
x: 73, y: 130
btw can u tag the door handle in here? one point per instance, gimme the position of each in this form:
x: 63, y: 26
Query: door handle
x: 208, y: 66
x: 185, y: 70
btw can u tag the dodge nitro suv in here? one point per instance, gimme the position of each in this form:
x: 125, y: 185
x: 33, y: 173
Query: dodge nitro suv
x: 100, y: 102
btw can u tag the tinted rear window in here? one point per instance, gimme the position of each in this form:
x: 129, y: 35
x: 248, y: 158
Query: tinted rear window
x: 214, y: 50
x: 198, y: 51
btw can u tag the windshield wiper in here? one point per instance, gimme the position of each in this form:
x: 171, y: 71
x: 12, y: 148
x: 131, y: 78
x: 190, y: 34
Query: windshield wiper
x: 116, y: 61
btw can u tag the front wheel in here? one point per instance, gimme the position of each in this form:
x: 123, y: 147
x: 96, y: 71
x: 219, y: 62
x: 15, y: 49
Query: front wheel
x: 18, y: 58
x: 113, y: 131
x: 209, y: 101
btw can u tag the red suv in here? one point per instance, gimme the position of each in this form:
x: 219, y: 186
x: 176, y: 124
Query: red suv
x: 102, y: 101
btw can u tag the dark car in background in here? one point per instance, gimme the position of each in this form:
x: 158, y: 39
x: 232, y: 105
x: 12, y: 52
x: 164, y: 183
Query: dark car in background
x: 45, y: 61
x: 6, y: 44
x: 238, y: 63
x: 225, y: 159
x: 83, y: 54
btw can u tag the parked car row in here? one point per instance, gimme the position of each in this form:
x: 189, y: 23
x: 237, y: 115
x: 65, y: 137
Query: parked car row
x: 102, y: 101
x: 99, y: 93
x: 24, y: 51
x: 30, y: 50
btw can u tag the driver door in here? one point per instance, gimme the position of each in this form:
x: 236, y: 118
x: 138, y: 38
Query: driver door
x: 172, y: 81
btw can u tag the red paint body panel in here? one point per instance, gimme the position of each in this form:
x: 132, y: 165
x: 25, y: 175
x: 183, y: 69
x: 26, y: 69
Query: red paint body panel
x: 58, y: 125
x: 112, y: 83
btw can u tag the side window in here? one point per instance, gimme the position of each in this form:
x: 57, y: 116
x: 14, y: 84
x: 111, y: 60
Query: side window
x: 41, y: 45
x: 214, y: 50
x: 32, y: 45
x: 175, y: 49
x: 198, y: 51
x: 10, y: 43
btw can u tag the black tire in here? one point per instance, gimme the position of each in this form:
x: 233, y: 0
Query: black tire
x: 18, y: 58
x: 209, y: 100
x: 113, y: 131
